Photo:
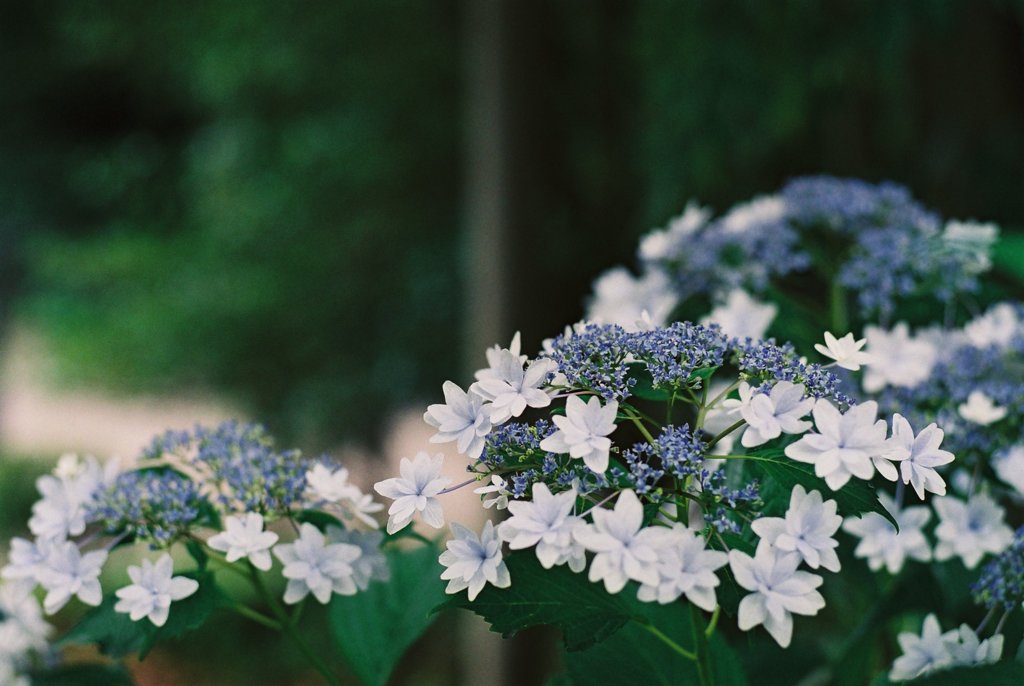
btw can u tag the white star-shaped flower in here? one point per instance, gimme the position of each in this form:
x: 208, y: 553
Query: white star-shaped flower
x: 845, y: 351
x: 741, y: 316
x: 494, y: 355
x: 22, y: 627
x: 25, y: 560
x: 312, y: 565
x: 324, y: 484
x: 462, y: 418
x: 510, y: 389
x: 154, y: 587
x: 67, y: 494
x: 967, y: 649
x: 625, y: 548
x: 583, y: 431
x: 620, y: 298
x: 897, y: 359
x: 769, y: 415
x: 850, y: 444
x: 779, y: 591
x: 921, y: 654
x: 882, y: 545
x: 980, y: 409
x: 547, y: 523
x: 971, y: 529
x: 497, y: 486
x: 1009, y: 467
x: 472, y: 561
x: 685, y: 567
x: 919, y: 456
x: 996, y: 327
x: 415, y: 491
x: 372, y: 564
x: 243, y: 536
x: 807, y: 529
x: 67, y: 573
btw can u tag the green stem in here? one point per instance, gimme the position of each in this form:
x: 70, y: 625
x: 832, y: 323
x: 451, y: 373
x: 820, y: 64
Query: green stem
x: 713, y: 624
x: 658, y: 633
x: 255, y: 616
x: 718, y: 398
x: 726, y: 432
x: 639, y: 425
x: 290, y: 631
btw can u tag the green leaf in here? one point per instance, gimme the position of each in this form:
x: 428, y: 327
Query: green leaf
x: 375, y: 627
x: 187, y: 614
x: 855, y: 498
x: 117, y: 635
x: 83, y: 675
x: 1008, y: 254
x: 584, y: 612
x: 195, y: 549
x: 644, y: 387
x: 113, y: 632
x: 1005, y: 673
x: 634, y: 656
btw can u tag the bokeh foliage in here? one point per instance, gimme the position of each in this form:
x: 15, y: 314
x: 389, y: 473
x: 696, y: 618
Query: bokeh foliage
x: 263, y: 197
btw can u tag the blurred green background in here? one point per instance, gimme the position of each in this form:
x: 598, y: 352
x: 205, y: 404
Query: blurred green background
x: 279, y: 203
x: 267, y: 199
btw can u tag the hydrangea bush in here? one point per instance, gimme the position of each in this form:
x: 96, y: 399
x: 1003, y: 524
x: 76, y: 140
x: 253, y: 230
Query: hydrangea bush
x: 146, y: 544
x: 687, y: 502
x: 948, y: 374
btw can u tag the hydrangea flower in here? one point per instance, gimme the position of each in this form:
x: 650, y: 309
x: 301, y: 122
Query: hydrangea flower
x: 918, y: 456
x: 67, y: 573
x: 980, y: 409
x: 882, y: 545
x: 768, y: 415
x: 741, y: 316
x: 624, y: 548
x: 415, y: 491
x: 922, y: 654
x: 848, y: 444
x: 154, y: 587
x: 970, y: 530
x: 897, y: 359
x: 807, y: 529
x: 778, y: 591
x: 372, y: 563
x: 472, y: 561
x: 462, y: 419
x: 509, y: 389
x: 245, y: 537
x: 583, y: 431
x: 547, y: 523
x: 685, y: 567
x: 845, y: 351
x: 313, y: 565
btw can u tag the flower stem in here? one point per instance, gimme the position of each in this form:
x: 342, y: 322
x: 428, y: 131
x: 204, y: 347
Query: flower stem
x: 291, y: 632
x: 713, y: 624
x: 255, y: 616
x: 635, y: 418
x: 725, y: 432
x: 700, y: 641
x: 660, y: 635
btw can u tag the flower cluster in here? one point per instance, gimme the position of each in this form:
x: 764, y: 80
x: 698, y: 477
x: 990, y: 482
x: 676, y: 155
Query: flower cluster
x: 614, y: 464
x: 218, y: 489
x: 24, y: 634
x: 934, y: 651
x: 874, y: 242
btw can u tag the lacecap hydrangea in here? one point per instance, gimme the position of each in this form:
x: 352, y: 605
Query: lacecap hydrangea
x: 654, y: 459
